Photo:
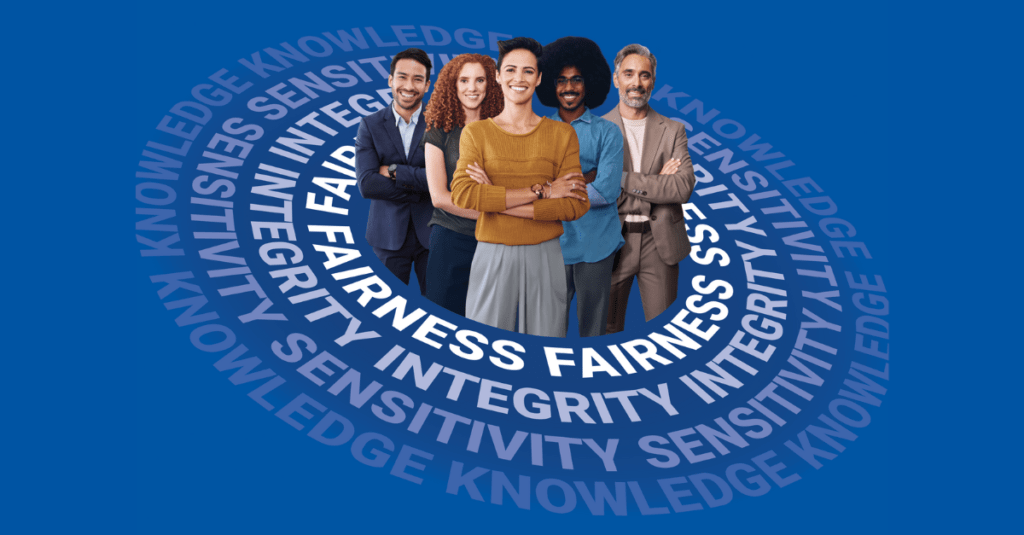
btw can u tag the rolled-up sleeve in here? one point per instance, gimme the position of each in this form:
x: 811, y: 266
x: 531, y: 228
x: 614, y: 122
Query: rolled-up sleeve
x: 608, y: 182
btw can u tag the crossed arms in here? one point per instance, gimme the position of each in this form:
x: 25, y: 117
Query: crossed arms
x: 672, y: 185
x: 410, y: 181
x: 565, y: 199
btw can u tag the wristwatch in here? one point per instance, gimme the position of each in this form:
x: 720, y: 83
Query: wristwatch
x: 538, y: 190
x: 392, y: 169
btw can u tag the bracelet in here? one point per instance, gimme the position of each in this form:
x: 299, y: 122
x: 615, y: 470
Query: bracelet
x: 539, y: 191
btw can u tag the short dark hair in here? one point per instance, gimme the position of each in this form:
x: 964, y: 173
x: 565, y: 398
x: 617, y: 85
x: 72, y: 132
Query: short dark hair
x: 416, y: 54
x: 586, y: 56
x: 515, y: 43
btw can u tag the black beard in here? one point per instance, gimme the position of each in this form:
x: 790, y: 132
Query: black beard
x: 579, y: 102
x: 412, y: 107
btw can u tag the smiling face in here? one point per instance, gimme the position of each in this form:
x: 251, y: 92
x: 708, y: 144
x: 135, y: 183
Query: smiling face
x: 409, y: 83
x: 635, y: 80
x: 570, y: 88
x: 519, y: 76
x: 471, y: 85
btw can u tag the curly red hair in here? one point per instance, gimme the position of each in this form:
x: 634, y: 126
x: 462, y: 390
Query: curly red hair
x: 444, y: 110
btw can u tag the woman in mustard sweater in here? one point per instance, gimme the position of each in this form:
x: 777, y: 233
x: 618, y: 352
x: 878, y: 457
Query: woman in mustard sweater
x: 522, y: 173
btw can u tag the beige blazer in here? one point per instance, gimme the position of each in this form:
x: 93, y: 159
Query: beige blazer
x: 659, y: 196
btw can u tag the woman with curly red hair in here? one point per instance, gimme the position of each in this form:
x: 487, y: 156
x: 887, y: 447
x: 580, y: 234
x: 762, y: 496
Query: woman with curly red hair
x: 466, y: 91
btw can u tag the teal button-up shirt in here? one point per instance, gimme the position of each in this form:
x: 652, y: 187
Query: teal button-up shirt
x: 598, y: 234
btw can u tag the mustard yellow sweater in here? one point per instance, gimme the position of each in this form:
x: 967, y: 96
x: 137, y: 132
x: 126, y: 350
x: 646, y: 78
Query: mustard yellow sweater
x: 517, y: 161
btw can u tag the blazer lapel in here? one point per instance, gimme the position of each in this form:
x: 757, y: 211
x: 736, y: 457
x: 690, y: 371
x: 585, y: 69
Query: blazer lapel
x: 417, y: 135
x: 627, y: 161
x: 653, y: 132
x: 396, y: 137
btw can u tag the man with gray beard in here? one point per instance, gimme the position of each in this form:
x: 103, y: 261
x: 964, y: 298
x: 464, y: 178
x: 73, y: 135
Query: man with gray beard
x: 657, y: 178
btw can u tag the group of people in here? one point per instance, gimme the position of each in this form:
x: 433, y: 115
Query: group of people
x: 506, y: 215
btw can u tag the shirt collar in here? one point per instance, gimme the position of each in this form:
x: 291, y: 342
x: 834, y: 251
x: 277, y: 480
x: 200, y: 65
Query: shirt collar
x: 587, y: 117
x: 412, y: 120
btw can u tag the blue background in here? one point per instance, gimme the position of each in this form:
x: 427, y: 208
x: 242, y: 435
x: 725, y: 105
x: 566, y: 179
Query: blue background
x: 902, y: 114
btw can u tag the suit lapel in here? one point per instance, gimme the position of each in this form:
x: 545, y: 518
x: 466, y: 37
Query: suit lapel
x: 653, y: 132
x: 417, y: 135
x: 396, y: 137
x: 627, y: 161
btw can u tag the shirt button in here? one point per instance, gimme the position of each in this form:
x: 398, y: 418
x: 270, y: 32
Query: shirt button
x: 654, y: 218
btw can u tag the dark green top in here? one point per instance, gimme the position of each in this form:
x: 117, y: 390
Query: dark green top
x: 448, y: 142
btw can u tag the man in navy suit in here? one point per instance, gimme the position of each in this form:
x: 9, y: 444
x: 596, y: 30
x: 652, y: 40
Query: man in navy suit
x: 390, y: 167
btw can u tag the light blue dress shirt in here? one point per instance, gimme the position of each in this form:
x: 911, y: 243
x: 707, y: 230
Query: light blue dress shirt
x: 598, y: 234
x: 407, y: 129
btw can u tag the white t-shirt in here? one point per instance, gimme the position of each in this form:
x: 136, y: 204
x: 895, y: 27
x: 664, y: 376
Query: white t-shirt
x: 635, y: 138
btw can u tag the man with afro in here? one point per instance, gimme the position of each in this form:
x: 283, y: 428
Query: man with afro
x: 576, y: 79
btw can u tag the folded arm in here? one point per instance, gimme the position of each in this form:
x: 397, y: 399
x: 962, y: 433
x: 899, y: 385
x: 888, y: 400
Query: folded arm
x: 607, y: 185
x: 437, y: 179
x: 410, y: 177
x: 372, y: 184
x: 674, y: 188
x: 482, y: 197
x: 565, y: 208
x: 525, y: 211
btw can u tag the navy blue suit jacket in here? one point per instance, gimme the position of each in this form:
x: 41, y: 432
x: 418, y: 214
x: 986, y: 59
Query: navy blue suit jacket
x: 393, y: 203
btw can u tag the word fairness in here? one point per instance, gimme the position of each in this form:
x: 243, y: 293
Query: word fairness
x: 297, y: 281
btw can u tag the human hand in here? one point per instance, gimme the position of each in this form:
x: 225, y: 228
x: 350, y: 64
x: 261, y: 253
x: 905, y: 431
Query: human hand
x: 589, y: 176
x: 477, y: 173
x: 670, y: 167
x: 569, y: 176
x: 384, y: 171
x: 570, y: 188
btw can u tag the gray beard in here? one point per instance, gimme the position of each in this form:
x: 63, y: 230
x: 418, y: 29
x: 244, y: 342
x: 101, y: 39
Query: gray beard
x: 637, y: 102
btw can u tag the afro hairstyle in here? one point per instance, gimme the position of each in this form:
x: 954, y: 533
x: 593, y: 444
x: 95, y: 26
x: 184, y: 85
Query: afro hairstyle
x: 586, y: 56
